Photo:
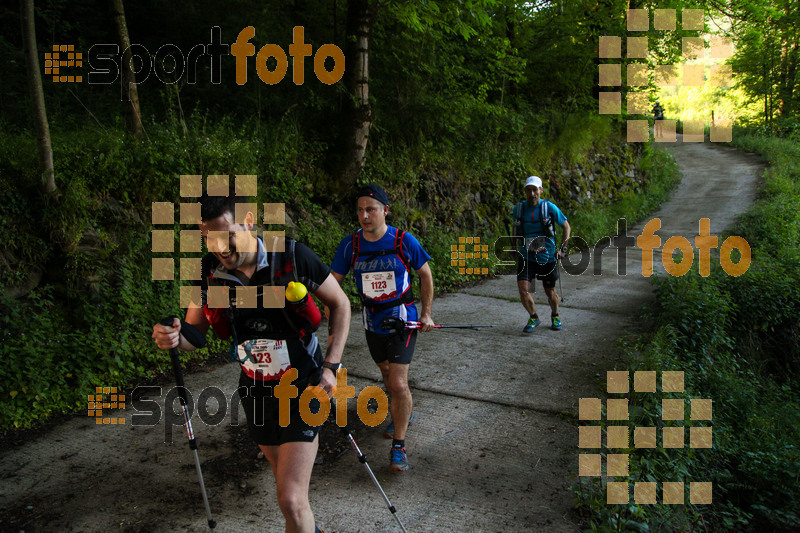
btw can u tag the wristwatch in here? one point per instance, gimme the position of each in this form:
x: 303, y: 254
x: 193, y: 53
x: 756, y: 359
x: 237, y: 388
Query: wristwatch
x: 333, y: 366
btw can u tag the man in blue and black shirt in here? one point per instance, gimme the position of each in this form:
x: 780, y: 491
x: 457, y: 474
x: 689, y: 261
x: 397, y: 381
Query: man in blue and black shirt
x: 382, y: 259
x: 535, y: 219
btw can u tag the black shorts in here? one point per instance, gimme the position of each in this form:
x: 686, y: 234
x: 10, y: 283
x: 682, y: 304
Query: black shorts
x: 261, y: 409
x: 547, y: 272
x: 394, y: 348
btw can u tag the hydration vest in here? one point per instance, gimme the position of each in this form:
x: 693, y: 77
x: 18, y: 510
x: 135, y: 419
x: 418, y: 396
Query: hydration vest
x: 548, y: 222
x: 283, y: 322
x: 408, y: 296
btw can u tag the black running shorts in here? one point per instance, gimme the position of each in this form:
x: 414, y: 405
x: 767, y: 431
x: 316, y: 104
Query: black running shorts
x: 394, y: 348
x: 547, y: 272
x: 261, y: 409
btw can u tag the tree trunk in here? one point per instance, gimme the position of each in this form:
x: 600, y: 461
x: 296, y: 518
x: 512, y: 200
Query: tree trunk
x: 788, y: 80
x: 766, y: 94
x: 37, y: 96
x: 358, y: 112
x: 130, y: 95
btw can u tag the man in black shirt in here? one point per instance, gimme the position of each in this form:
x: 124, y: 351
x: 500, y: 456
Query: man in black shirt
x: 271, y: 340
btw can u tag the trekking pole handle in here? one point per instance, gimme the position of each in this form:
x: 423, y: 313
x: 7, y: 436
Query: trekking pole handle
x: 176, y: 363
x: 193, y: 337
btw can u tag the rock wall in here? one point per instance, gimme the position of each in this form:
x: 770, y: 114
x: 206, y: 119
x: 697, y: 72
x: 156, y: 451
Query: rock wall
x: 482, y: 204
x: 598, y: 178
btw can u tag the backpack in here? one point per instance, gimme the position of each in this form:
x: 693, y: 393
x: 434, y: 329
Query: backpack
x: 301, y: 320
x: 548, y: 222
x: 304, y: 316
x: 405, y: 298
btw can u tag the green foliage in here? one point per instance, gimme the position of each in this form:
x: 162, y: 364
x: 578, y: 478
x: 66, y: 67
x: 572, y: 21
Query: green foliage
x: 89, y: 323
x: 573, y: 136
x: 645, y: 464
x: 700, y: 312
x: 765, y: 32
x: 736, y: 339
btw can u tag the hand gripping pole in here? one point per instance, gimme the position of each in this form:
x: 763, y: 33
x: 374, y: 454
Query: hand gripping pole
x: 196, y: 339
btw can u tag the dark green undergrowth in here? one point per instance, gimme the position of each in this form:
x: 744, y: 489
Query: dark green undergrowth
x: 737, y: 339
x: 80, y: 302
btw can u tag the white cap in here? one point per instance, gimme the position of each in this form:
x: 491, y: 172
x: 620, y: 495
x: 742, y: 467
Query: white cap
x: 536, y: 181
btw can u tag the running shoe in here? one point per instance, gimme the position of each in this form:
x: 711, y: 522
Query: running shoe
x: 532, y: 323
x: 389, y: 434
x: 556, y: 323
x: 398, y: 461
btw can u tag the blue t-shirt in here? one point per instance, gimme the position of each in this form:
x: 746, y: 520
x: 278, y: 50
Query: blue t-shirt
x: 381, y: 278
x: 529, y: 225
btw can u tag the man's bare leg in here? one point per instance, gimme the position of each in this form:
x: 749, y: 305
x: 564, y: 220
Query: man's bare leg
x: 292, y: 463
x: 525, y: 297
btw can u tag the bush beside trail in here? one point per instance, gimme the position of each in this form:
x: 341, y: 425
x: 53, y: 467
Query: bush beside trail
x: 738, y: 341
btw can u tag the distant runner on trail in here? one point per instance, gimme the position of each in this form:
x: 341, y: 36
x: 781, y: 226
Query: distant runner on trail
x: 381, y: 257
x: 535, y: 220
x: 271, y: 341
x: 658, y: 115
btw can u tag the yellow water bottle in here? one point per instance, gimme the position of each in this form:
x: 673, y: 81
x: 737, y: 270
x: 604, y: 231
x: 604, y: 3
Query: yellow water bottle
x: 303, y: 307
x: 296, y: 292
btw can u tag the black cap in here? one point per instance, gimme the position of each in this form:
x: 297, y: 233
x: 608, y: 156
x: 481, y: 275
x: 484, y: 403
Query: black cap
x: 373, y: 191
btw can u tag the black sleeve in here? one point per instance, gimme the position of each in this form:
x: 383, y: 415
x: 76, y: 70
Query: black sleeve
x: 311, y: 271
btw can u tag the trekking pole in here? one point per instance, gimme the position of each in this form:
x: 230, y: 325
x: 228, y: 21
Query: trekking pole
x: 411, y: 324
x: 396, y: 325
x: 196, y: 339
x: 560, y: 290
x: 363, y: 460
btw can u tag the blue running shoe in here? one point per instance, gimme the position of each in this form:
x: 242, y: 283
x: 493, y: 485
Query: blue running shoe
x: 389, y: 434
x: 398, y: 460
x: 556, y: 323
x: 532, y: 323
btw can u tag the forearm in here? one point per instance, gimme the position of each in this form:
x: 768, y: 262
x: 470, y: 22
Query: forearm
x: 567, y: 234
x: 185, y: 346
x: 338, y: 329
x: 426, y: 295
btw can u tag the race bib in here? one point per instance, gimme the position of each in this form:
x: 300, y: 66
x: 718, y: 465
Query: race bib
x: 379, y: 285
x: 264, y: 359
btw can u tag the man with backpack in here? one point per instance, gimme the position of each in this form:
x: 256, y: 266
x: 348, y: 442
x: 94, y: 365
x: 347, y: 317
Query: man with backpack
x: 270, y: 337
x: 382, y: 258
x: 535, y: 219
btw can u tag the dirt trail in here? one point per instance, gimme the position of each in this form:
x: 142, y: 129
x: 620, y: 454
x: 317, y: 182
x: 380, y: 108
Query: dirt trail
x: 493, y: 446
